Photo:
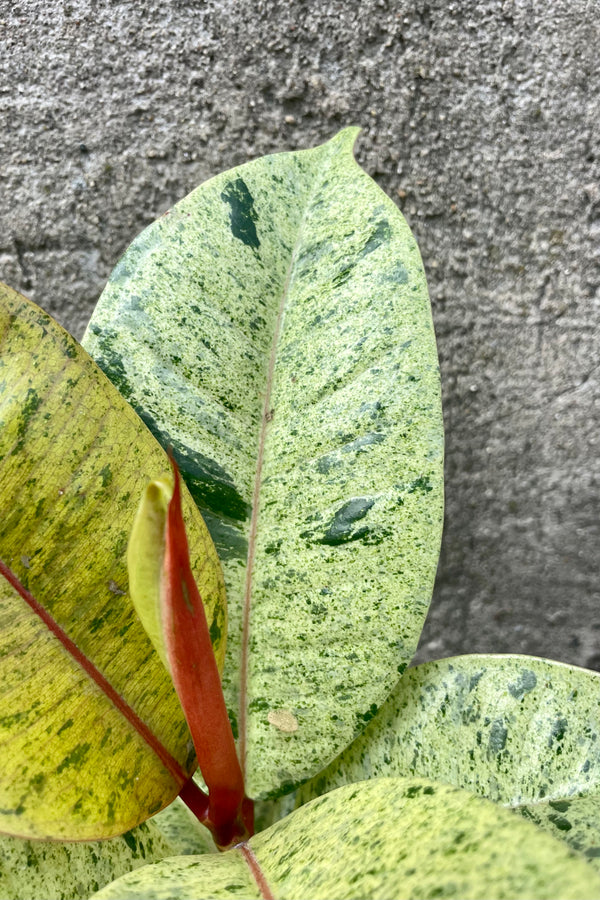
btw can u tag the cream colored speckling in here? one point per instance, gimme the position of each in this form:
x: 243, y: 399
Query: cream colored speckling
x: 521, y: 731
x: 390, y: 837
x: 54, y: 870
x: 274, y: 328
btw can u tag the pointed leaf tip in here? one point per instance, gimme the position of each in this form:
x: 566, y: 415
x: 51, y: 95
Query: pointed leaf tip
x: 347, y: 137
x: 303, y: 401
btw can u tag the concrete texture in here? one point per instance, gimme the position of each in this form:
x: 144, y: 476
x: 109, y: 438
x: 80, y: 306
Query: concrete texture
x: 481, y: 119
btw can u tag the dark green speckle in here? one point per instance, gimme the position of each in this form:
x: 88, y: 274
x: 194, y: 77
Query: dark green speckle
x: 558, y: 732
x: 77, y: 755
x: 215, y: 632
x: 497, y: 738
x: 242, y: 214
x: 526, y: 682
x: 341, y: 528
x: 106, y: 475
x: 380, y: 235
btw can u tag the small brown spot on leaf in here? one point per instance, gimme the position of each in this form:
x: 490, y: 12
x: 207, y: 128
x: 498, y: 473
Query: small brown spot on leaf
x: 284, y: 720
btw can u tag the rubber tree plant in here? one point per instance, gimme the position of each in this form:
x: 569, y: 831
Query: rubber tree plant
x: 272, y: 333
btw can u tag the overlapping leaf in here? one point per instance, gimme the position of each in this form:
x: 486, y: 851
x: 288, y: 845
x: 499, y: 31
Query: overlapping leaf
x: 522, y: 731
x: 390, y: 837
x: 274, y: 329
x: 56, y: 871
x: 92, y: 737
x: 53, y: 870
x: 180, y: 827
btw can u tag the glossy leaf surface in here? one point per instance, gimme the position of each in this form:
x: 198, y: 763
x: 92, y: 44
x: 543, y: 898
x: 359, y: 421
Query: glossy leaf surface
x: 401, y: 838
x: 522, y: 731
x: 30, y: 870
x: 92, y: 737
x: 145, y: 559
x: 274, y: 329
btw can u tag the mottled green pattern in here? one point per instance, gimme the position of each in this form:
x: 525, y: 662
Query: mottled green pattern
x: 32, y: 870
x: 183, y: 830
x: 74, y: 460
x: 519, y: 730
x: 387, y: 838
x: 187, y: 878
x: 275, y: 329
x: 575, y: 820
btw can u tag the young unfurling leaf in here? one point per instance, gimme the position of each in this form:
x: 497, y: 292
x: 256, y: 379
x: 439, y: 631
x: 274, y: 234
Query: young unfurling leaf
x: 166, y: 596
x: 145, y: 559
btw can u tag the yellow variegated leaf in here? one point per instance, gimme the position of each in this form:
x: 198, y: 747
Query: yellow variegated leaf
x: 92, y: 736
x: 53, y: 870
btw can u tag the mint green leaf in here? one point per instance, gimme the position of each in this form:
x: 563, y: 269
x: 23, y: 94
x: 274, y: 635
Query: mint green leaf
x: 30, y: 870
x: 274, y: 328
x: 187, y: 878
x: 180, y: 827
x: 522, y: 731
x: 390, y: 837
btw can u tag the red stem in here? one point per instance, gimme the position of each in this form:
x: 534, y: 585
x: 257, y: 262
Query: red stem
x: 196, y: 800
x: 197, y: 682
x: 168, y: 761
x: 257, y: 873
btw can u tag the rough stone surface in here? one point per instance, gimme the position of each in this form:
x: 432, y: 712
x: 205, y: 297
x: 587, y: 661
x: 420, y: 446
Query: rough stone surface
x: 480, y: 119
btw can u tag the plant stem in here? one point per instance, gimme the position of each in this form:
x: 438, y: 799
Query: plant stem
x: 196, y: 800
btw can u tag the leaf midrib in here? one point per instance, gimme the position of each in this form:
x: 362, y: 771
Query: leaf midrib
x: 256, y: 872
x: 247, y: 601
x: 168, y: 761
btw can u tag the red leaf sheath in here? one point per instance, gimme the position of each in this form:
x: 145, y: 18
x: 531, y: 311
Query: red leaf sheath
x: 197, y: 682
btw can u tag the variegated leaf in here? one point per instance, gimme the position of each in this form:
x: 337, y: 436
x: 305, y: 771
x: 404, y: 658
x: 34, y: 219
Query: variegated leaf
x: 274, y: 329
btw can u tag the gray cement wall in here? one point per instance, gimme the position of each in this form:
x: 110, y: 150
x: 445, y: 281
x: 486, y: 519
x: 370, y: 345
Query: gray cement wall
x: 481, y: 121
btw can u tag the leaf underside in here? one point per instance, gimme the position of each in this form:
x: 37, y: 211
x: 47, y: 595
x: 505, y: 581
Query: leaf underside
x: 522, y: 731
x: 391, y: 837
x: 74, y: 460
x: 274, y: 329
